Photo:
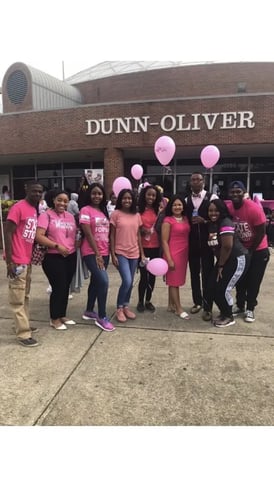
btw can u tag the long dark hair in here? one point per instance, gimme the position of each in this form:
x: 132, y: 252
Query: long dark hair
x: 222, y: 208
x: 168, y: 210
x: 103, y: 203
x: 83, y: 192
x: 142, y: 199
x: 119, y: 206
x: 51, y: 194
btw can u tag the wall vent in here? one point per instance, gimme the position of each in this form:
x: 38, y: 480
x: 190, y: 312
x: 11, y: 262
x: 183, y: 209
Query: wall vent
x: 17, y: 87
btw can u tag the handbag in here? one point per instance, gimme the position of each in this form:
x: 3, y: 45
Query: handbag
x: 38, y: 254
x: 39, y: 251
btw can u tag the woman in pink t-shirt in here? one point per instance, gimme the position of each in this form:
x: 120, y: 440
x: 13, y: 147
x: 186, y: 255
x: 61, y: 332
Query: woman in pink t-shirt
x: 94, y: 221
x: 56, y: 229
x: 126, y: 248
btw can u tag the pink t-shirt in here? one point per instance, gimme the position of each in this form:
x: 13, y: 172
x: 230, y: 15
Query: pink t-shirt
x: 99, y: 225
x: 149, y: 218
x: 60, y: 228
x: 127, y: 226
x: 24, y: 216
x: 246, y: 218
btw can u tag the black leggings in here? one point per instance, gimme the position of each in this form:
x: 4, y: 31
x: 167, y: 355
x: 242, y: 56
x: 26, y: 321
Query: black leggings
x: 59, y: 271
x: 147, y: 280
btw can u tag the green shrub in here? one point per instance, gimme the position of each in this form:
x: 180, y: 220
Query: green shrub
x: 6, y: 205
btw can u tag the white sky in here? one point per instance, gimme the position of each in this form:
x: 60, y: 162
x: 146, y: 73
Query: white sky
x: 87, y: 32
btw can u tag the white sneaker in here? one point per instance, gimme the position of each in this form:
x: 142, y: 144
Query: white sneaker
x: 70, y: 296
x: 249, y: 316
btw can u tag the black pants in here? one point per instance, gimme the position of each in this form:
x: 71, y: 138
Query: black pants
x: 59, y: 271
x: 248, y: 287
x: 221, y: 292
x: 200, y: 265
x: 147, y: 280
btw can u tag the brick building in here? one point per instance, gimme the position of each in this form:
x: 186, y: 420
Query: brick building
x: 109, y: 117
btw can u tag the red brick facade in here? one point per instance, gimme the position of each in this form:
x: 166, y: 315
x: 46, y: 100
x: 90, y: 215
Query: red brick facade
x: 204, y: 89
x: 179, y: 82
x: 65, y: 130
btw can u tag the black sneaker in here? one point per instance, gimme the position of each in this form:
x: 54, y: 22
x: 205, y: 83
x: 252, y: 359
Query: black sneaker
x: 149, y: 306
x: 195, y: 308
x: 207, y: 315
x: 28, y: 342
x: 140, y: 307
x: 237, y: 311
x: 229, y: 321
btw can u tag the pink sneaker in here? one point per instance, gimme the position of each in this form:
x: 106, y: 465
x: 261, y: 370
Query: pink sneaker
x: 104, y: 323
x: 129, y: 314
x: 120, y: 315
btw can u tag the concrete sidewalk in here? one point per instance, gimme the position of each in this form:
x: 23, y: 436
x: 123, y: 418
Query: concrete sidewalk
x: 155, y: 370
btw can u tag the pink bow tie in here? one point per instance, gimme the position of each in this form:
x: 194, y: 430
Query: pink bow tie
x: 196, y: 195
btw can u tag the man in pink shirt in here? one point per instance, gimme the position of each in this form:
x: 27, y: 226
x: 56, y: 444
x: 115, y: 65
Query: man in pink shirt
x: 250, y: 223
x: 19, y: 237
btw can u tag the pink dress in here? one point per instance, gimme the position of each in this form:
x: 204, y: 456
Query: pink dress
x: 178, y: 246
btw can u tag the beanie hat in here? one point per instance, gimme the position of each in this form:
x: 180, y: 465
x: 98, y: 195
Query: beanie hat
x: 237, y: 184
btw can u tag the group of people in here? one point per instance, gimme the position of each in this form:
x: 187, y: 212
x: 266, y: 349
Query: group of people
x: 224, y: 244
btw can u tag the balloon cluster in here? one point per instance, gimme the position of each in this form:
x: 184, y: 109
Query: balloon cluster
x: 124, y: 183
x: 164, y: 150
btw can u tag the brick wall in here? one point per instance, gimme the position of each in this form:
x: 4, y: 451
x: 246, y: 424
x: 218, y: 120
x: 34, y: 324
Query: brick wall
x: 65, y: 130
x: 184, y: 90
x: 184, y: 81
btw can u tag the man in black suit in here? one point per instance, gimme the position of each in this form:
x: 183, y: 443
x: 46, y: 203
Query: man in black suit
x: 201, y: 259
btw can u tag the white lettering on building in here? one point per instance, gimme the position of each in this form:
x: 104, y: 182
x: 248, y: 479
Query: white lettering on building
x: 181, y: 122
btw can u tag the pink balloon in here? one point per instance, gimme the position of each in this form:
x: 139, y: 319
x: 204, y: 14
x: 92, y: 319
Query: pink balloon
x: 146, y: 184
x: 157, y: 267
x: 137, y: 171
x: 119, y: 184
x: 164, y: 149
x: 210, y: 156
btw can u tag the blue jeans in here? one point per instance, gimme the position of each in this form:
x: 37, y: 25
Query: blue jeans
x: 98, y: 286
x: 126, y: 268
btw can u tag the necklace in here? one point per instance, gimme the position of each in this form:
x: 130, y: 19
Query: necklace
x: 178, y: 219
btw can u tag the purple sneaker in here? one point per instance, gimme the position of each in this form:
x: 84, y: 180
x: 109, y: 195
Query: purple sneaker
x: 90, y: 315
x: 105, y: 324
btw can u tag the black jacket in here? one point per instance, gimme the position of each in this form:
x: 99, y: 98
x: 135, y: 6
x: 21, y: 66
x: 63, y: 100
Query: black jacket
x: 198, y: 236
